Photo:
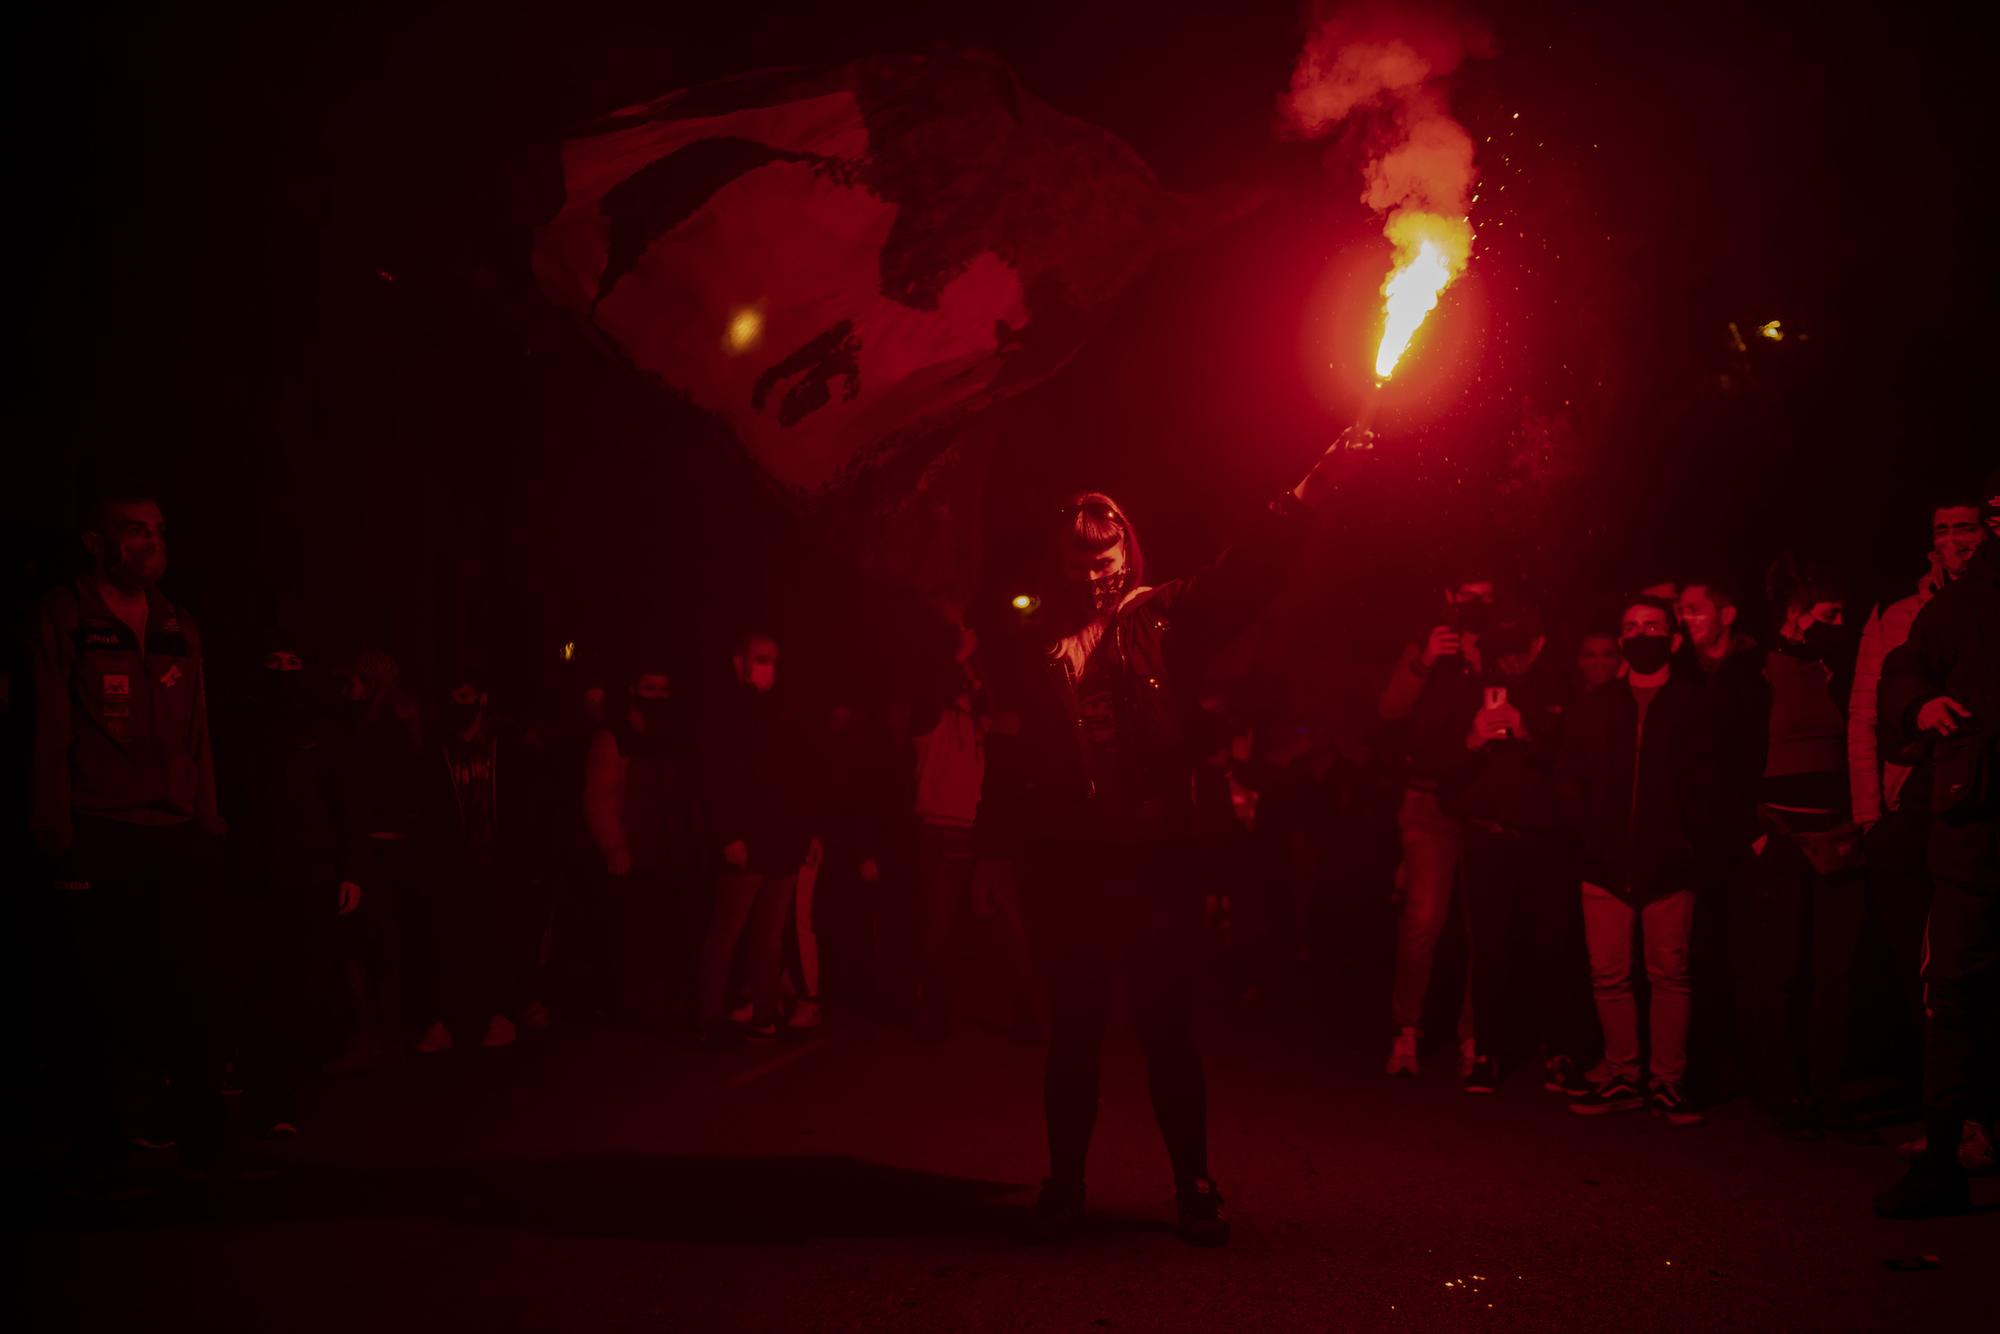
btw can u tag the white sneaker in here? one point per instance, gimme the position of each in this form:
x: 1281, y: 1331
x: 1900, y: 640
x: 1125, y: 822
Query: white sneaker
x: 436, y: 1038
x: 499, y: 1032
x: 1468, y: 1056
x: 1403, y: 1052
x: 806, y: 1014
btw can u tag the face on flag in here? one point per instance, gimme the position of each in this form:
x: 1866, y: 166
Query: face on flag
x: 829, y: 264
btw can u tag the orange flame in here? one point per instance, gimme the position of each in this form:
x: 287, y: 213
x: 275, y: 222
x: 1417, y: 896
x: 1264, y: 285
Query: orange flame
x: 1431, y: 250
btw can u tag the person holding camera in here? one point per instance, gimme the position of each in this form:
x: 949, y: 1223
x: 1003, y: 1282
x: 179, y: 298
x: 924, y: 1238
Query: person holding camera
x: 1495, y: 753
x: 1422, y: 693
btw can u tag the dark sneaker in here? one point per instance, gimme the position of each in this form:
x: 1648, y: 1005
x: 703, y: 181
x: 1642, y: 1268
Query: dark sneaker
x: 1058, y: 1211
x: 1613, y: 1095
x: 1669, y: 1104
x: 1483, y: 1077
x: 1927, y: 1190
x: 1199, y: 1205
x: 1562, y: 1075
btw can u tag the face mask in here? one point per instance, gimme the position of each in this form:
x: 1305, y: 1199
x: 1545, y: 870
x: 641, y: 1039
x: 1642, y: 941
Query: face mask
x: 1471, y: 617
x: 656, y: 714
x: 1108, y: 592
x: 458, y: 717
x: 1646, y: 654
x: 1823, y: 641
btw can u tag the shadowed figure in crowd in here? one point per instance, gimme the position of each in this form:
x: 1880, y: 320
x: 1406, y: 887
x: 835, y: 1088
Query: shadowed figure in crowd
x: 1938, y: 706
x: 758, y: 773
x: 1089, y: 788
x: 123, y: 810
x: 1420, y: 690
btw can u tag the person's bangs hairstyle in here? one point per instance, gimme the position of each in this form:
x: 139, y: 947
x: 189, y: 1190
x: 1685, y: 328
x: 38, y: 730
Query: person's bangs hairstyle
x: 1096, y: 523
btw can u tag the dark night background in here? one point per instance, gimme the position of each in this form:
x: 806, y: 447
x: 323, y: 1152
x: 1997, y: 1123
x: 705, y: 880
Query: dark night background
x: 210, y: 208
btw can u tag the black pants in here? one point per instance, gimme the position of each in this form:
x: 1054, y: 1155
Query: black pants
x: 1796, y: 978
x: 141, y: 907
x: 381, y: 944
x: 1962, y: 1014
x: 661, y: 914
x: 1094, y: 912
x: 1530, y: 971
x: 287, y: 962
x: 481, y: 945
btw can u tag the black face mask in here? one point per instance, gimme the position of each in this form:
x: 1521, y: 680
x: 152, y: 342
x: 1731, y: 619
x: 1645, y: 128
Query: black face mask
x: 1823, y: 642
x: 1470, y: 618
x: 458, y: 717
x: 1646, y: 654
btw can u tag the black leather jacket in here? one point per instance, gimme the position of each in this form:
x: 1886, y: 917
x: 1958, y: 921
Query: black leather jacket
x: 1040, y: 785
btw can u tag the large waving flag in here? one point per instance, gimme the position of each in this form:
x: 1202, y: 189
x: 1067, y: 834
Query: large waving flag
x: 839, y: 264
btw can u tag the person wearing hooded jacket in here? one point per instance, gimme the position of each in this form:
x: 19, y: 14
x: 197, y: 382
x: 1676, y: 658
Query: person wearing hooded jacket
x: 1089, y: 788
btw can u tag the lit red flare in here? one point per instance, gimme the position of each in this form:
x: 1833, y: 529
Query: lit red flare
x: 1431, y: 250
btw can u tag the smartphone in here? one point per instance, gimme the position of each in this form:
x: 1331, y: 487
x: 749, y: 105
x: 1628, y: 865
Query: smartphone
x: 1496, y: 697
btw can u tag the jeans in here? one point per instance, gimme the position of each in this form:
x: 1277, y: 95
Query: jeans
x: 1095, y: 912
x: 1432, y: 843
x: 1665, y: 924
x: 761, y: 903
x: 1529, y: 970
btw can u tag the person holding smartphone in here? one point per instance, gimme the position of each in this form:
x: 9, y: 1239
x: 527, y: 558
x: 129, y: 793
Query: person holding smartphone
x: 1494, y: 747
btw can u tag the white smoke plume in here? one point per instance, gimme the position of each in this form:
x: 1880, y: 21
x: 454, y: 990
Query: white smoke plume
x: 1386, y: 64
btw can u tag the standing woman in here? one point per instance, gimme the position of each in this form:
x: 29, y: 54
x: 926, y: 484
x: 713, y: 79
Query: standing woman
x: 1089, y: 788
x: 1807, y: 894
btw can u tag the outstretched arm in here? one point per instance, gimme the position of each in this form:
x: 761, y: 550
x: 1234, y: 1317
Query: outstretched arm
x: 1220, y: 602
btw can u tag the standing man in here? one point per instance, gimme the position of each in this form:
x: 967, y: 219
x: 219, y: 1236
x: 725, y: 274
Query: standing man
x: 757, y: 783
x: 1894, y: 816
x: 641, y: 800
x: 1526, y: 935
x: 123, y: 810
x: 1420, y: 692
x: 1089, y: 787
x: 1633, y: 781
x: 1940, y: 698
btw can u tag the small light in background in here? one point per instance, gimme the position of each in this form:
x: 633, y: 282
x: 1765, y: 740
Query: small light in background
x: 1026, y: 602
x: 746, y: 326
x: 1775, y: 331
x: 569, y: 651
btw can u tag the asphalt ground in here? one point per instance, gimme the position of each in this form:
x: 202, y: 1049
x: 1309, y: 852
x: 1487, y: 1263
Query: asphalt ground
x: 596, y: 1180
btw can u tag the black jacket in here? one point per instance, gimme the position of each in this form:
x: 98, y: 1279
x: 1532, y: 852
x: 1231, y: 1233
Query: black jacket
x: 1509, y: 782
x: 1647, y: 840
x: 1954, y: 650
x: 757, y: 764
x: 1039, y: 785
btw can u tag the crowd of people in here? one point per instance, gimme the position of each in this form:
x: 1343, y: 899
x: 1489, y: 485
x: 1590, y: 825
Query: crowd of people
x: 1670, y: 849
